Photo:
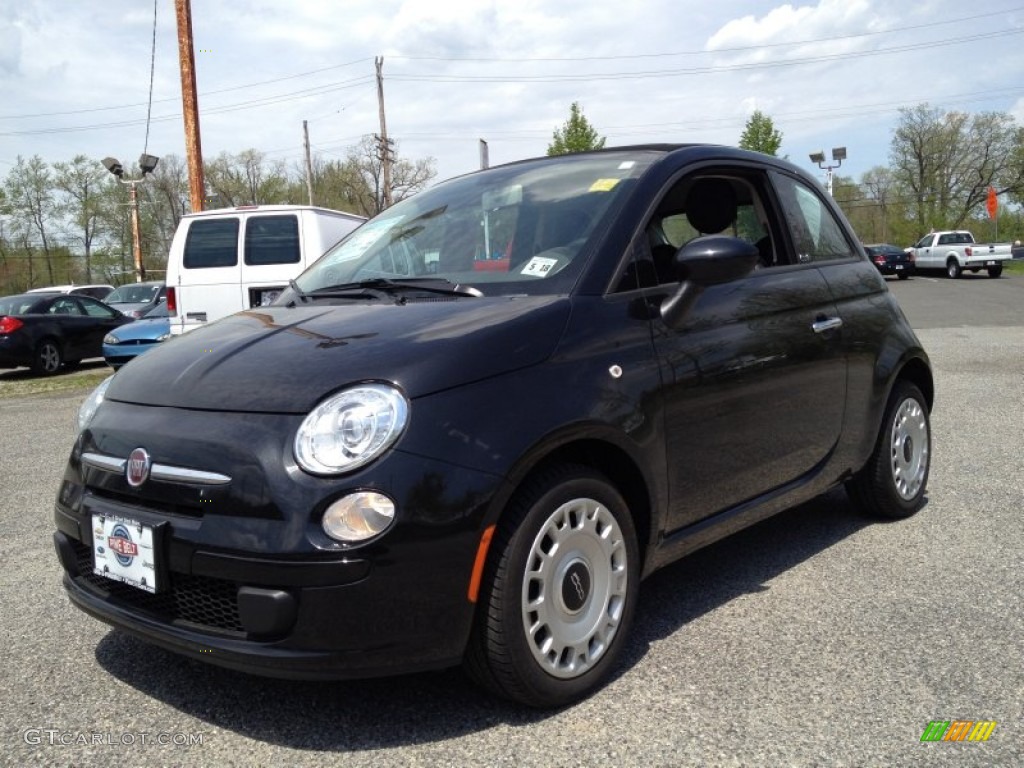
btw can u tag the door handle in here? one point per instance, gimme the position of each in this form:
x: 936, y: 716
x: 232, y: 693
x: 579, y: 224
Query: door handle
x: 826, y: 324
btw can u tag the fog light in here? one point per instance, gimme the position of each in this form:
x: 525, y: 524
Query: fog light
x: 359, y: 516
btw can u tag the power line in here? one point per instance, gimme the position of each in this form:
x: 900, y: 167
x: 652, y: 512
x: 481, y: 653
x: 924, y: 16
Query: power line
x: 152, y: 72
x: 736, y: 49
x: 711, y: 69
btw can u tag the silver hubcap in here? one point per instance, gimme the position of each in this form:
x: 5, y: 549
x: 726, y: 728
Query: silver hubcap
x: 909, y: 448
x: 50, y: 357
x: 574, y: 588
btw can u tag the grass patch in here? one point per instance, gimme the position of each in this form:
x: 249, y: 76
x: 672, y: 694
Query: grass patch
x: 1015, y: 267
x: 21, y: 383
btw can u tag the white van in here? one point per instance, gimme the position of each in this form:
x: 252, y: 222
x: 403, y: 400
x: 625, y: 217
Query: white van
x: 230, y: 259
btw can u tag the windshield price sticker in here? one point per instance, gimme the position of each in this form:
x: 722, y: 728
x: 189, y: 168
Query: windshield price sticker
x: 123, y: 551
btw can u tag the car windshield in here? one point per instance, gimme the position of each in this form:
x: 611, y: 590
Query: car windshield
x: 517, y: 229
x: 133, y: 293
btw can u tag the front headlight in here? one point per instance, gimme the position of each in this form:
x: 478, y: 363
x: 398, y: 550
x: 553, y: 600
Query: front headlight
x: 88, y: 409
x: 350, y: 429
x: 111, y: 339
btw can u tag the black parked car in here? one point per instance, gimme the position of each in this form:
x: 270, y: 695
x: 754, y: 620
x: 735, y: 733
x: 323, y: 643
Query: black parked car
x: 45, y: 330
x: 468, y: 431
x: 891, y: 260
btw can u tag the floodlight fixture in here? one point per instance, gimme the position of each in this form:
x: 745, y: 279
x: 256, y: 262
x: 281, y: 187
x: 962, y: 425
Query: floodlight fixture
x: 148, y: 163
x: 114, y: 166
x: 838, y: 155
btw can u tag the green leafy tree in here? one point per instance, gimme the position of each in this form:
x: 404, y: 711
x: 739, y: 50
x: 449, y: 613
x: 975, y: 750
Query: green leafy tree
x: 947, y: 161
x: 32, y: 207
x: 577, y: 135
x: 760, y: 134
x: 81, y: 184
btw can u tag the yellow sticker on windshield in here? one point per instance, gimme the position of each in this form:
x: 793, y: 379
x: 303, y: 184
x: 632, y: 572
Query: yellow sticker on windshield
x: 603, y: 185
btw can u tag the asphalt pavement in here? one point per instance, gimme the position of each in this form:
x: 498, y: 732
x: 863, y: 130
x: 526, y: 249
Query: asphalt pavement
x: 817, y: 638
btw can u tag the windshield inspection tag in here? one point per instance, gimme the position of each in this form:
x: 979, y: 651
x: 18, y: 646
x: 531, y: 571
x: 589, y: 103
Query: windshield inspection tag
x: 538, y: 266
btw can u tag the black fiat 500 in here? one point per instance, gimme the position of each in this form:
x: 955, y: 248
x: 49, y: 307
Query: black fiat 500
x: 467, y: 432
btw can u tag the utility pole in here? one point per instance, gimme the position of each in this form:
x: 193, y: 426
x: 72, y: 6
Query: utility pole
x: 384, y: 142
x: 484, y: 155
x: 309, y: 162
x: 190, y: 105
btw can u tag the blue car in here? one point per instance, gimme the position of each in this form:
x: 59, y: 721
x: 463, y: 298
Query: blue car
x: 131, y: 340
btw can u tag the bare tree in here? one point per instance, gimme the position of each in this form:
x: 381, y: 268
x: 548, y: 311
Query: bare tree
x: 247, y: 179
x: 407, y: 178
x: 879, y: 186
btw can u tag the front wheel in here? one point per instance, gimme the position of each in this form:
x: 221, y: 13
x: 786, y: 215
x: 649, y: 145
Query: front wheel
x: 953, y: 269
x: 995, y: 271
x: 559, y: 591
x: 892, y: 482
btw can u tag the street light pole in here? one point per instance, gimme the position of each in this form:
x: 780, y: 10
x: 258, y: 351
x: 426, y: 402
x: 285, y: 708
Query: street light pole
x: 838, y: 155
x: 133, y: 197
x: 146, y: 163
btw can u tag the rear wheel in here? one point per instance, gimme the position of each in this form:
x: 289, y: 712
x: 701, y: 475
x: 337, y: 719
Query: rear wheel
x: 902, y: 275
x: 47, y: 358
x: 953, y: 269
x: 559, y: 591
x: 995, y: 271
x: 892, y: 482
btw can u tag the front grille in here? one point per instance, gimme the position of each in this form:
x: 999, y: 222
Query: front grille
x: 206, y: 603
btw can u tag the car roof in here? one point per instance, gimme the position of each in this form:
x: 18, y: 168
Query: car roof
x: 68, y: 288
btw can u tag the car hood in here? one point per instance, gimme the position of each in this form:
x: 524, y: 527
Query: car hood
x: 286, y: 359
x: 145, y: 328
x: 128, y: 306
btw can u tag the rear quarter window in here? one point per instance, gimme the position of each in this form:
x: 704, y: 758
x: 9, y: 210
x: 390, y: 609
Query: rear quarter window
x: 211, y: 243
x: 272, y: 240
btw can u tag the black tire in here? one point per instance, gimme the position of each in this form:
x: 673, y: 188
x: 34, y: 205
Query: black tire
x: 902, y: 275
x: 549, y: 629
x: 48, y: 358
x: 953, y: 269
x: 892, y: 483
x: 995, y: 271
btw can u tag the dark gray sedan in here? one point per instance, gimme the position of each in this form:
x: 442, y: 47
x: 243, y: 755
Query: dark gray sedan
x: 891, y: 260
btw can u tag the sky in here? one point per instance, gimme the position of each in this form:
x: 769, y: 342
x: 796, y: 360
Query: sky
x: 77, y: 77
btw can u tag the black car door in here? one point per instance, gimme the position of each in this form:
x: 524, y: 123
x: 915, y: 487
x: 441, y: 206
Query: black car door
x: 68, y: 321
x: 755, y: 376
x: 99, y: 320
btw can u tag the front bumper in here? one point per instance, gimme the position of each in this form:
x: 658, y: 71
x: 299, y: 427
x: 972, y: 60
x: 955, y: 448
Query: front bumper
x: 250, y: 582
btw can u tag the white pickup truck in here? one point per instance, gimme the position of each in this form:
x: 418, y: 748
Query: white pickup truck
x: 956, y: 251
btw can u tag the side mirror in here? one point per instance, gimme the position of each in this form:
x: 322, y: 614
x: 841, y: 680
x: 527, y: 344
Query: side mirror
x: 703, y: 262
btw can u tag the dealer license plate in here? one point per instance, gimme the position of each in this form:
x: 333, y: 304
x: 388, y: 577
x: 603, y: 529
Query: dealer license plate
x: 123, y: 551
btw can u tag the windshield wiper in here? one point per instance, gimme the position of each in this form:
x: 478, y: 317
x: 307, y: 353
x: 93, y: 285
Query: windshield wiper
x: 389, y: 286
